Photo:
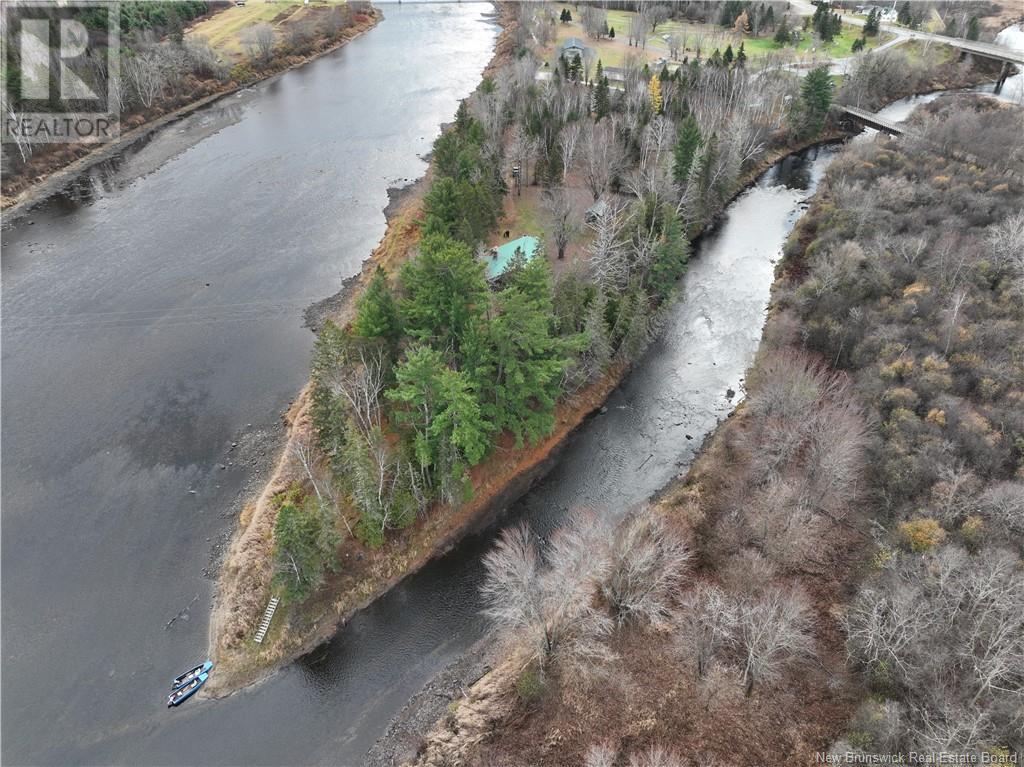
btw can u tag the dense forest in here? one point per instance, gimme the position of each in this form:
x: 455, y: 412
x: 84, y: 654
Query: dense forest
x: 438, y: 366
x: 917, y: 289
x: 842, y: 568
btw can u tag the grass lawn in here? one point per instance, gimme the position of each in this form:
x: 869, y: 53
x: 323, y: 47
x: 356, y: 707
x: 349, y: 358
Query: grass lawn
x: 612, y: 52
x: 840, y: 47
x: 936, y: 52
x: 224, y: 30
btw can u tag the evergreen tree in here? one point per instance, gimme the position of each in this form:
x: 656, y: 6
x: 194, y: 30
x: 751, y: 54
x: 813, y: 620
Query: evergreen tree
x: 871, y: 25
x: 829, y: 26
x: 670, y: 257
x: 820, y: 13
x: 731, y: 9
x: 741, y: 57
x: 525, y: 360
x: 305, y: 547
x: 686, y: 148
x: 598, y: 351
x: 815, y: 100
x: 464, y: 209
x: 602, y: 99
x: 782, y: 33
x: 654, y: 89
x: 377, y: 312
x: 709, y: 194
x: 611, y: 32
x: 716, y: 58
x: 575, y: 69
x: 905, y: 16
x: 858, y: 45
x: 973, y: 28
x: 728, y: 56
x: 330, y: 352
x: 438, y: 405
x: 444, y: 292
x: 769, y: 18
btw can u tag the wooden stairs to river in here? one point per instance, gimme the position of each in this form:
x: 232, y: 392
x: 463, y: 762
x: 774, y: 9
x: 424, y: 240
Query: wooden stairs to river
x: 268, y: 615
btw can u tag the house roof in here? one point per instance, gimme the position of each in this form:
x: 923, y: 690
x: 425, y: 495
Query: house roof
x: 599, y: 208
x: 498, y: 263
x: 573, y: 42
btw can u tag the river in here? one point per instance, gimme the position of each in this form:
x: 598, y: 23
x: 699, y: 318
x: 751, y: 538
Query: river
x: 153, y: 317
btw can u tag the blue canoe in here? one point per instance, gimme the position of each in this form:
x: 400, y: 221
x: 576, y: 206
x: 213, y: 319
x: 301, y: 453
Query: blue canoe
x: 183, y: 693
x: 188, y: 676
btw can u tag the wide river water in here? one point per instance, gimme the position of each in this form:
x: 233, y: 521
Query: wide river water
x: 152, y: 316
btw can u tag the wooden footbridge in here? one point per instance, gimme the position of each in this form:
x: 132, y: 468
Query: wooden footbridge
x: 872, y: 120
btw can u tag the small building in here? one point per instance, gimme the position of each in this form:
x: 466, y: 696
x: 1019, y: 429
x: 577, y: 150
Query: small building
x: 573, y: 46
x: 501, y: 256
x: 596, y: 212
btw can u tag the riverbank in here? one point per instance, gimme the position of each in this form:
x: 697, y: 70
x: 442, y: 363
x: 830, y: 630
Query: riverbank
x: 698, y: 503
x: 58, y: 170
x: 366, y: 574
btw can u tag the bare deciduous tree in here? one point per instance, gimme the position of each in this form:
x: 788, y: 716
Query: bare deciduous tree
x: 609, y: 252
x: 593, y: 20
x: 647, y: 562
x: 602, y: 156
x: 1005, y: 241
x: 563, y: 224
x: 771, y: 630
x: 600, y: 755
x: 522, y: 150
x: 553, y: 609
x: 707, y: 623
x: 145, y: 75
x: 655, y: 756
x: 568, y: 139
x: 949, y: 629
x: 259, y: 42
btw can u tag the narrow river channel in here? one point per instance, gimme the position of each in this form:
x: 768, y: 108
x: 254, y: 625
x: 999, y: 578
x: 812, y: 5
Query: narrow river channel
x: 153, y: 317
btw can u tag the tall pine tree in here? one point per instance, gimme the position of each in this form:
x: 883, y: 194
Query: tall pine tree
x: 686, y: 147
x: 444, y: 292
x: 377, y: 312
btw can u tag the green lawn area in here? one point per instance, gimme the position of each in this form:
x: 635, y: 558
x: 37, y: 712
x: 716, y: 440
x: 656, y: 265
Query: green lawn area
x: 613, y: 52
x: 840, y: 47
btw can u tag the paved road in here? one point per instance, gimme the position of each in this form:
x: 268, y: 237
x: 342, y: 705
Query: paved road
x: 1015, y: 55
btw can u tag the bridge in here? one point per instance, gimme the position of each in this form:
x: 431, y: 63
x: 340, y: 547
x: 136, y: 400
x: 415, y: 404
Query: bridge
x: 872, y: 120
x: 1008, y: 56
x: 988, y: 50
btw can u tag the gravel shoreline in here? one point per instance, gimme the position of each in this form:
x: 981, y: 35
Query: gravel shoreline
x: 408, y: 728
